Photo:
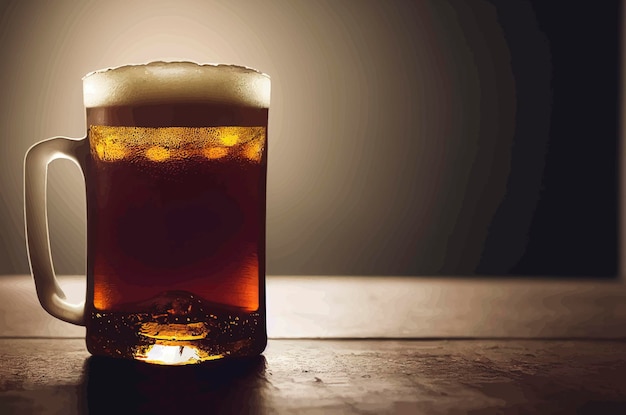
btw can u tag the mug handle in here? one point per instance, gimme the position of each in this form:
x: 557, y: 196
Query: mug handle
x: 38, y: 156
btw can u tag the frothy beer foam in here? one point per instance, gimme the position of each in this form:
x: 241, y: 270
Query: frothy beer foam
x: 171, y: 82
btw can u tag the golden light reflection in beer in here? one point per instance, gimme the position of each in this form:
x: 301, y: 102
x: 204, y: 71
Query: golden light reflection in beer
x: 110, y: 149
x: 164, y: 354
x: 253, y: 150
x: 229, y: 139
x: 173, y: 331
x: 215, y: 152
x: 158, y: 153
x: 249, y: 272
x: 112, y: 143
x: 102, y: 297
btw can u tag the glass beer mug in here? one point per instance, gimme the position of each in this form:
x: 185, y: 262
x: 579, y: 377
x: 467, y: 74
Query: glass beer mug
x: 175, y: 173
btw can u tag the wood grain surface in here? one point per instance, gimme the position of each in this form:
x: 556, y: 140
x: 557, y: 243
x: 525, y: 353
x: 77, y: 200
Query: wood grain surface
x: 348, y: 345
x: 58, y: 376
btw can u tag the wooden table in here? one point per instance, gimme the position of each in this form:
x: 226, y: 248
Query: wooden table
x: 349, y: 345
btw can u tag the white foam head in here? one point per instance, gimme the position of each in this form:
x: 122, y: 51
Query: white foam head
x: 170, y: 82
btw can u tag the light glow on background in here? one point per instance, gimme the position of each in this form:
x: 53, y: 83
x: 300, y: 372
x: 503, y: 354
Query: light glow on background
x: 357, y: 89
x: 374, y: 133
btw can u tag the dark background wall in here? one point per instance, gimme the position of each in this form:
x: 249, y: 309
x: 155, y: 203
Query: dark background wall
x: 406, y: 137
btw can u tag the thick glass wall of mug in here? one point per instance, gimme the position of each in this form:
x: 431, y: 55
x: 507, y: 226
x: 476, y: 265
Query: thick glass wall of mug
x: 176, y: 212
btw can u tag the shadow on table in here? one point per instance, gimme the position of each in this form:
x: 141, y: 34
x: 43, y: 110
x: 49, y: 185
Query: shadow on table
x: 111, y: 386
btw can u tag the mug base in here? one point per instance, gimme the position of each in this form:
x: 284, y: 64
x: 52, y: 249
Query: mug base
x: 173, y: 339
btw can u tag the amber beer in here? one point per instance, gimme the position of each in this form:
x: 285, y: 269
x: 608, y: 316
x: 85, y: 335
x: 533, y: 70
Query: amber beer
x: 176, y: 178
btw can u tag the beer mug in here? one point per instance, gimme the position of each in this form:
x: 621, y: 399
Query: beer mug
x: 175, y: 166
